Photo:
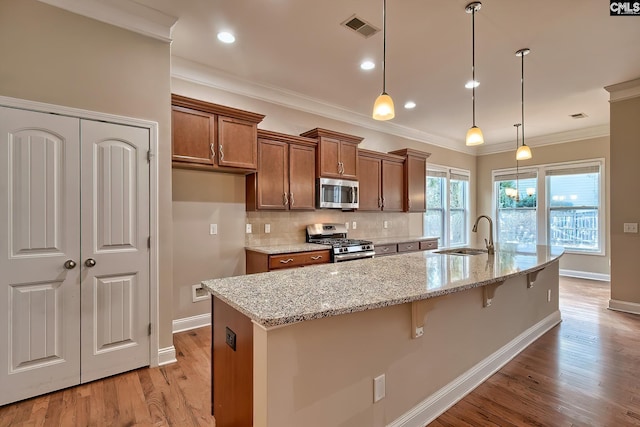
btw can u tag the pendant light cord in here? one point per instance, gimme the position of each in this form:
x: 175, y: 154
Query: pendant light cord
x: 384, y: 45
x: 473, y: 63
x: 522, y: 90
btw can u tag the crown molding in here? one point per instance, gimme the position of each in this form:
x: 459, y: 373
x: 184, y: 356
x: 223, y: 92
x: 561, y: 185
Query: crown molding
x: 624, y: 90
x: 190, y: 71
x: 125, y: 14
x: 550, y: 139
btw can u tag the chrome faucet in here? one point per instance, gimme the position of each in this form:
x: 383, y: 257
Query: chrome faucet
x: 490, y: 248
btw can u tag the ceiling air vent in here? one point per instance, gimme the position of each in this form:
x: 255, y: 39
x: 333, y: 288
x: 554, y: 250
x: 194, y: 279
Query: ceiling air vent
x: 360, y: 26
x: 578, y: 116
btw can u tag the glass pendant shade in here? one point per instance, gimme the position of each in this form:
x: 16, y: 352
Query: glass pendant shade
x: 474, y: 136
x: 523, y: 153
x: 383, y: 108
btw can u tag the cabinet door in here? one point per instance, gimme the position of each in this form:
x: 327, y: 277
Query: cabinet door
x: 237, y: 143
x: 193, y: 134
x: 329, y: 149
x: 302, y: 177
x: 392, y: 186
x: 273, y: 189
x: 348, y: 160
x: 369, y: 184
x: 416, y: 184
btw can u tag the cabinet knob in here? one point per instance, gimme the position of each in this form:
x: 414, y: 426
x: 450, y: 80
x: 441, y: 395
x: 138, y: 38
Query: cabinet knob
x: 90, y: 262
x: 70, y: 264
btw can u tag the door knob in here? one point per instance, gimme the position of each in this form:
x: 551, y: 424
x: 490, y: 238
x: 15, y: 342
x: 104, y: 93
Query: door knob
x: 70, y: 264
x: 90, y: 262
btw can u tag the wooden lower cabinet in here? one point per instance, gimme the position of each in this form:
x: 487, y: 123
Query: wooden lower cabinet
x: 386, y: 249
x: 258, y: 262
x: 231, y: 366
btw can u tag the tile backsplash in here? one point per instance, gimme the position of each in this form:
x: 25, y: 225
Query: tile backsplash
x: 289, y: 227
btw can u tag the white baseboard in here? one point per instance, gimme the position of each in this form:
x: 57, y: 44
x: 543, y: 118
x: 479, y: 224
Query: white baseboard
x: 627, y: 307
x: 193, y: 322
x: 436, y: 404
x: 586, y: 275
x: 167, y: 355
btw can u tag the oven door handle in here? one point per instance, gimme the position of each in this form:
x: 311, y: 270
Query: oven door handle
x: 353, y: 255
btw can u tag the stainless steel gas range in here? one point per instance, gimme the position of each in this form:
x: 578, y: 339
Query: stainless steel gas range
x: 335, y: 235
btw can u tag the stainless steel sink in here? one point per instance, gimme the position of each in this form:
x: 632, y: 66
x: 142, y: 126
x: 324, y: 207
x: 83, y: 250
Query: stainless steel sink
x: 463, y: 251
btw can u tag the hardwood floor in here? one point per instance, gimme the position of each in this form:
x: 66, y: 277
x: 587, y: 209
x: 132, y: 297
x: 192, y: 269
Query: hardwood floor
x: 584, y: 372
x: 172, y: 395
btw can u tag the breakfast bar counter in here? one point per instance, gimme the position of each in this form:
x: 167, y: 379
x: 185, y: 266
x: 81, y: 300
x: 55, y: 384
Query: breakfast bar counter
x: 303, y: 346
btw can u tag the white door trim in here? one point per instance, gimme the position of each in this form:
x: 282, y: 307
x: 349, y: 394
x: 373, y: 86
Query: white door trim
x: 153, y: 192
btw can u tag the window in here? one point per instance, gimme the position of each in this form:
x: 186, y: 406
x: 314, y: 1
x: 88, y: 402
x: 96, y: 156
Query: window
x: 447, y: 214
x: 574, y: 201
x: 556, y: 204
x: 517, y: 202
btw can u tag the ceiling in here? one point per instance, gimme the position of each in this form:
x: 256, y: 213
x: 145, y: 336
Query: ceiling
x: 298, y: 50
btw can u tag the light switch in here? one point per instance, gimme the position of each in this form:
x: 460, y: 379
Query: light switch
x: 385, y: 224
x: 213, y: 229
x: 248, y: 229
x: 267, y: 228
x: 630, y: 227
x: 353, y: 225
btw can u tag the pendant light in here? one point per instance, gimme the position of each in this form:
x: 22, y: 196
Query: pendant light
x: 383, y: 107
x: 474, y: 134
x: 523, y: 152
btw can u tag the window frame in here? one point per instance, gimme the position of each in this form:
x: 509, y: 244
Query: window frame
x: 526, y: 172
x: 543, y: 202
x: 445, y: 240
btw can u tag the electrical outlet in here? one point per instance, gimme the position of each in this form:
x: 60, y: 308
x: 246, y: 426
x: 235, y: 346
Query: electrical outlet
x: 548, y: 295
x: 248, y: 228
x: 230, y: 338
x: 267, y: 228
x: 419, y: 331
x: 378, y: 388
x: 353, y: 225
x: 213, y: 229
x: 630, y: 227
x: 199, y: 293
x: 385, y: 224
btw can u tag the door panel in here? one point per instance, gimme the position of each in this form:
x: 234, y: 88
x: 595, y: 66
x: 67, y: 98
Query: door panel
x: 115, y: 228
x: 39, y: 217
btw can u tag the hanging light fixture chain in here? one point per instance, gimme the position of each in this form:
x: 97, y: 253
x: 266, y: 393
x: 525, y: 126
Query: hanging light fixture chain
x: 384, y: 46
x: 473, y: 63
x: 522, y: 90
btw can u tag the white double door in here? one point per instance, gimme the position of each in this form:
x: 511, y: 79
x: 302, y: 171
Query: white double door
x: 74, y: 260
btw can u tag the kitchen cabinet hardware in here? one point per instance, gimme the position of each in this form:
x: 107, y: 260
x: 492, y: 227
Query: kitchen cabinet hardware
x: 221, y: 152
x: 317, y: 257
x: 291, y: 199
x: 285, y: 201
x: 286, y: 261
x: 213, y: 150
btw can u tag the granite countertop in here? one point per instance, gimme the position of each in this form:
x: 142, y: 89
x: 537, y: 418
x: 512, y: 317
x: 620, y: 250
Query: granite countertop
x: 407, y: 239
x: 287, y: 249
x: 293, y: 295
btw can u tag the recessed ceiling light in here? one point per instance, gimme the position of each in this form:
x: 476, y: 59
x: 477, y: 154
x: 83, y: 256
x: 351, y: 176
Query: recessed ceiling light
x: 409, y: 105
x: 471, y: 84
x: 368, y: 65
x: 226, y: 37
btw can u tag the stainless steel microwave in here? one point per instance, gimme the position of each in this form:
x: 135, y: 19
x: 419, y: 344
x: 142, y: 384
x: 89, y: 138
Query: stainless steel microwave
x: 337, y: 193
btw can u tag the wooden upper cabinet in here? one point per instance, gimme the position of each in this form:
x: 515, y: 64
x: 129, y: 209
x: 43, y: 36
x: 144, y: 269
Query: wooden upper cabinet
x: 193, y: 136
x: 208, y: 136
x: 369, y: 182
x: 381, y: 181
x: 285, y: 179
x: 337, y: 153
x: 415, y: 171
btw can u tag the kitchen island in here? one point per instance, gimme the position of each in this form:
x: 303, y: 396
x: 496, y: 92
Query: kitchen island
x: 303, y: 346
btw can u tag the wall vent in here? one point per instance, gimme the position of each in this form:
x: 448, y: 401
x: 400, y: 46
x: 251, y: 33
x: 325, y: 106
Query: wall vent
x: 360, y: 26
x: 578, y: 116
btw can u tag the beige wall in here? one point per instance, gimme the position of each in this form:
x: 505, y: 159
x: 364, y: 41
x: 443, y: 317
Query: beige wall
x: 595, y: 148
x: 54, y: 56
x: 625, y: 201
x: 320, y: 372
x: 191, y: 220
